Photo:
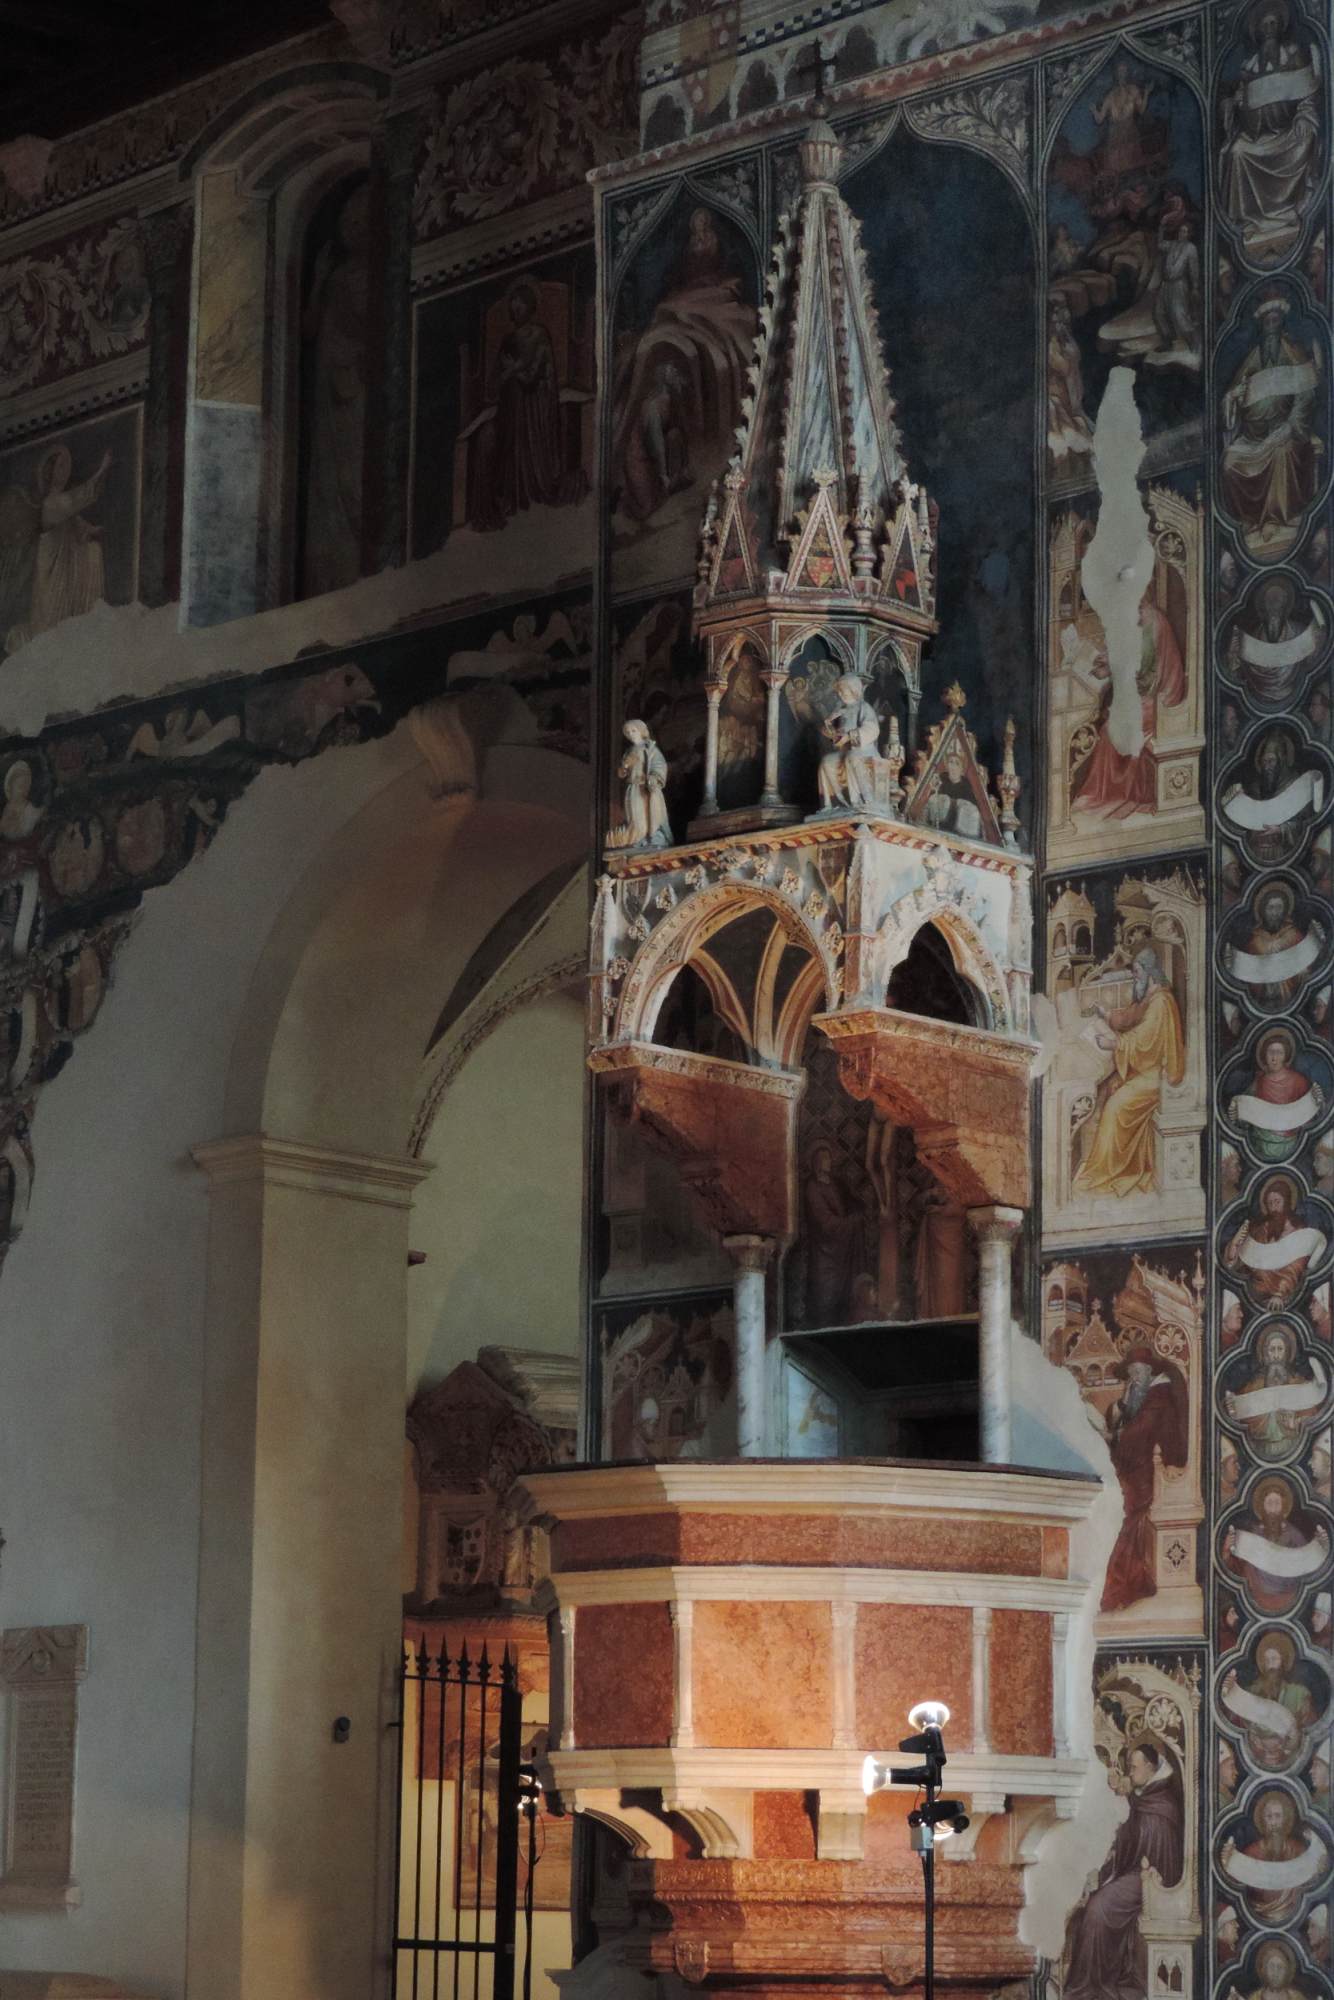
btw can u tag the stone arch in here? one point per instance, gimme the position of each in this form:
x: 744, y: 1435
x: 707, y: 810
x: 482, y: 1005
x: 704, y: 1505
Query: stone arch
x: 968, y: 950
x: 683, y: 933
x: 835, y: 641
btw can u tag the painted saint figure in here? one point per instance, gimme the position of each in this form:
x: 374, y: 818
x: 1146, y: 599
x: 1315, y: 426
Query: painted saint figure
x: 334, y: 326
x: 1276, y: 1866
x: 1278, y: 952
x: 1273, y: 1247
x: 835, y: 1230
x: 1121, y: 112
x: 1271, y: 457
x: 1275, y: 641
x: 525, y: 464
x: 847, y: 771
x: 1271, y: 128
x: 1272, y: 804
x: 1280, y: 1102
x: 643, y: 774
x: 1272, y: 1555
x: 1274, y: 1405
x: 1104, y: 1939
x: 1146, y: 1426
x: 951, y: 806
x: 1148, y: 1049
x: 52, y: 554
x: 1069, y: 432
x: 1277, y: 1710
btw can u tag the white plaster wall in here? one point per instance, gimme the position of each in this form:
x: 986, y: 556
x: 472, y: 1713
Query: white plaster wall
x: 101, y: 1306
x: 500, y: 1218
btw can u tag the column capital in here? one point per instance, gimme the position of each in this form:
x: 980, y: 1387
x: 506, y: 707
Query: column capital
x: 296, y: 1163
x: 994, y: 1224
x: 749, y: 1253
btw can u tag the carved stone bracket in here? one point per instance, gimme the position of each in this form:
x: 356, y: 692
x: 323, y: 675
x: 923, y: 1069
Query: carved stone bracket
x: 963, y: 1091
x: 731, y: 1130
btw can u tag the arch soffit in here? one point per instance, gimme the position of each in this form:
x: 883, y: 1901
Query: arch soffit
x: 687, y: 929
x: 835, y: 641
x: 246, y: 132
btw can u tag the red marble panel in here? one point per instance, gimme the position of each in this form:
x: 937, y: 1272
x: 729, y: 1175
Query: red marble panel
x: 1021, y: 1683
x: 622, y: 1675
x: 762, y: 1676
x: 858, y: 1541
x: 1056, y: 1552
x: 785, y: 1826
x: 905, y: 1653
x: 885, y: 1843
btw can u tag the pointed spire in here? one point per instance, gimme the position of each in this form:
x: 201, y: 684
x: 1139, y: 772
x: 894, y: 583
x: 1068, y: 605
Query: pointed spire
x: 818, y: 436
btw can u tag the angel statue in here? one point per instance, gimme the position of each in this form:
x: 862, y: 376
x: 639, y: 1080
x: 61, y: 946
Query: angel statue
x: 642, y: 821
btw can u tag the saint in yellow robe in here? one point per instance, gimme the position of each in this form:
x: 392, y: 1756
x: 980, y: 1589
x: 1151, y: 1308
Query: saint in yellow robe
x: 1150, y: 1049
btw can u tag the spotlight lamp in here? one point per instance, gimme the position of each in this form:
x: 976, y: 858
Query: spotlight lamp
x: 935, y: 1819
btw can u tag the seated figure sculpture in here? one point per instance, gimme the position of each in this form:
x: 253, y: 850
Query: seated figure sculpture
x: 643, y: 773
x: 848, y: 772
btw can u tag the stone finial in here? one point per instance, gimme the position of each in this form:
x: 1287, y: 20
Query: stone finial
x: 821, y: 154
x: 955, y: 699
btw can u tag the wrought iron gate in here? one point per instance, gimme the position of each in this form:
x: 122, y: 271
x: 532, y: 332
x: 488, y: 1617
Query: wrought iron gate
x: 460, y: 1817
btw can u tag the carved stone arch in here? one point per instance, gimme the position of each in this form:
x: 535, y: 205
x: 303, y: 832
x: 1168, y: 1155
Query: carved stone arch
x: 728, y: 1004
x: 835, y: 641
x: 736, y: 645
x: 797, y: 1012
x: 887, y: 656
x: 971, y: 957
x: 1108, y: 53
x: 689, y: 926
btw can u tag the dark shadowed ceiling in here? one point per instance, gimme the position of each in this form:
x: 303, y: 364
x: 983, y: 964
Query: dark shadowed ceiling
x: 67, y: 63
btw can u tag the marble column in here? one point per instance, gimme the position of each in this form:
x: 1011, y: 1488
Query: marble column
x: 750, y: 1257
x: 774, y: 683
x: 995, y: 1229
x: 713, y: 694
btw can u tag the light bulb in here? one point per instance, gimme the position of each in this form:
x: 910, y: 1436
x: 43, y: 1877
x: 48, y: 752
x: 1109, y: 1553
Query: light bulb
x: 875, y: 1776
x: 928, y: 1715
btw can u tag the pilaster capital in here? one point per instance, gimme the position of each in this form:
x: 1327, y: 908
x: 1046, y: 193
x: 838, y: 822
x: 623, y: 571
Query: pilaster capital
x: 384, y: 1179
x: 994, y: 1224
x: 749, y: 1253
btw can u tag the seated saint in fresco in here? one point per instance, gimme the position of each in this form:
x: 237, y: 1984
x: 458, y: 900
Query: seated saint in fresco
x: 1271, y: 128
x: 1272, y: 459
x: 1148, y: 1049
x: 1148, y: 1424
x: 1107, y: 781
x: 678, y: 384
x: 1280, y: 1102
x: 1273, y: 1246
x: 1106, y: 1951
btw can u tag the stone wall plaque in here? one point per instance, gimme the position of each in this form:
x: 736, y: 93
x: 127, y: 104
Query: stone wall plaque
x: 41, y: 1667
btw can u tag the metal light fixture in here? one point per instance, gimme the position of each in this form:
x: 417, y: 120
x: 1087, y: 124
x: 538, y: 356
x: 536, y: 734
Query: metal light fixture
x: 932, y: 1821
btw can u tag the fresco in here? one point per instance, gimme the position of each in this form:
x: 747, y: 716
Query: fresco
x: 667, y: 1373
x: 69, y: 524
x: 1131, y: 1330
x: 1124, y: 1104
x: 1138, y: 1929
x: 503, y: 421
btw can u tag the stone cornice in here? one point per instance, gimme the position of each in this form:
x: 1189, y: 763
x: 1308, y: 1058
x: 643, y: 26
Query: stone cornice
x: 614, y: 1056
x: 1008, y: 1051
x: 776, y: 1583
x: 780, y: 1486
x: 805, y: 1770
x: 295, y: 1163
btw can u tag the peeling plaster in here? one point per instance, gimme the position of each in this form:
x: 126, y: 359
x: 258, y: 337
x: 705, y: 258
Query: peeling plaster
x: 1118, y: 564
x: 128, y: 652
